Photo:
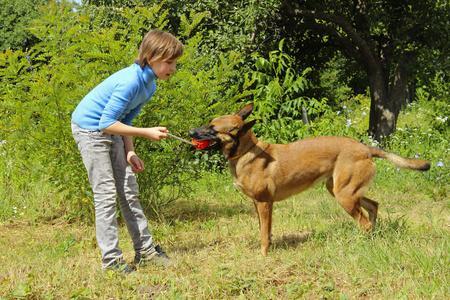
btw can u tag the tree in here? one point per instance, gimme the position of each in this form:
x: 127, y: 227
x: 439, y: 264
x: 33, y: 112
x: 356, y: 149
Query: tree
x: 386, y: 38
x: 15, y: 16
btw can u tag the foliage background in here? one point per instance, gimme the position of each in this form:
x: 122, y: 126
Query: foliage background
x: 230, y: 58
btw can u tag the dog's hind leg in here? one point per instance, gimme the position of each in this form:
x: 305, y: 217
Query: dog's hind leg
x: 353, y: 207
x: 329, y: 185
x: 264, y: 210
x: 372, y: 209
x: 349, y: 185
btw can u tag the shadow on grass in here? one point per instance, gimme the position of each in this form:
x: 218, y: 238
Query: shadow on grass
x: 391, y: 226
x: 386, y: 228
x: 291, y: 240
x: 188, y: 211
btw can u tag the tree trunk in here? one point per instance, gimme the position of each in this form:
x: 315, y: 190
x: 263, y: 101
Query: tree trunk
x: 305, y: 116
x: 382, y: 118
x: 410, y: 92
x: 398, y: 89
x: 386, y: 100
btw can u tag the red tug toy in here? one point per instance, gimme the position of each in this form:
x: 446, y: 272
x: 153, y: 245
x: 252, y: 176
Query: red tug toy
x: 200, y: 144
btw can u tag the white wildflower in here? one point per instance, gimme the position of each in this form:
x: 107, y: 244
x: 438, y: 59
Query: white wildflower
x: 348, y: 123
x: 440, y: 164
x: 442, y: 119
x: 373, y: 142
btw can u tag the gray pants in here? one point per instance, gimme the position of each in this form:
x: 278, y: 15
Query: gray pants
x: 110, y: 175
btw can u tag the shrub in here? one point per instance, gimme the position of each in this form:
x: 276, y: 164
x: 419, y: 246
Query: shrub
x: 76, y: 51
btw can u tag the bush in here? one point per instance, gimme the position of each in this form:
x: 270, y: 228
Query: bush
x: 75, y: 52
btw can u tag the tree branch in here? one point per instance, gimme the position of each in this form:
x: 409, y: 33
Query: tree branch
x: 343, y: 41
x: 359, y: 44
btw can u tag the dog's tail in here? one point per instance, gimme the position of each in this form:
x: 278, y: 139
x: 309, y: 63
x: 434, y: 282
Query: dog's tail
x: 409, y: 163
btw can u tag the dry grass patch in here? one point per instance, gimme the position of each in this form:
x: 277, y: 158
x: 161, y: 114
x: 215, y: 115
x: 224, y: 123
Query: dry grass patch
x: 318, y: 252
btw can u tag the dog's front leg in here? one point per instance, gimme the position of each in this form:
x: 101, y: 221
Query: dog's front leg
x: 264, y: 210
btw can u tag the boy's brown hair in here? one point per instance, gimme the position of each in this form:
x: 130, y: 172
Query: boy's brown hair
x: 158, y: 45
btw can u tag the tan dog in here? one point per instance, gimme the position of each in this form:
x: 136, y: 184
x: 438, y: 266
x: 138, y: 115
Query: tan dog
x: 272, y: 172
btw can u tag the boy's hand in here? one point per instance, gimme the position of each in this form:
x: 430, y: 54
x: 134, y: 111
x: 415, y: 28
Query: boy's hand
x: 156, y: 133
x: 137, y: 165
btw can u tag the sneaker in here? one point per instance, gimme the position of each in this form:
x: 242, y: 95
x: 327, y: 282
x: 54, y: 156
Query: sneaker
x: 155, y: 256
x: 120, y: 266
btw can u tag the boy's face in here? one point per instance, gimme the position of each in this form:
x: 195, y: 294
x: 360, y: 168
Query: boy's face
x: 163, y: 69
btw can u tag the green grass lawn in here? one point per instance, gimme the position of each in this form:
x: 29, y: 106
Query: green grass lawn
x: 318, y: 251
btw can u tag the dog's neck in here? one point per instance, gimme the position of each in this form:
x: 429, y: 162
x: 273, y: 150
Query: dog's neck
x: 245, y: 144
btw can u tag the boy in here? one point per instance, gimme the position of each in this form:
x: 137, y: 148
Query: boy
x: 101, y: 126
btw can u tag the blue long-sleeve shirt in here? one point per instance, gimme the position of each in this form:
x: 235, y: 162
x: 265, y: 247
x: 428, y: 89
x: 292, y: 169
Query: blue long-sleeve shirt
x: 120, y: 97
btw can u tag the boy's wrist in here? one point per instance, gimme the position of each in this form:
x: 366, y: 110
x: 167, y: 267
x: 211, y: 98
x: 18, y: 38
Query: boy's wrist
x: 128, y: 143
x: 130, y: 154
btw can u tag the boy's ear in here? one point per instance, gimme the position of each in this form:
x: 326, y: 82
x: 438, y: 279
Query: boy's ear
x: 245, y: 111
x: 247, y: 126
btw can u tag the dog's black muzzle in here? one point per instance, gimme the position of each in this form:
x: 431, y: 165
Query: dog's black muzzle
x: 205, y: 133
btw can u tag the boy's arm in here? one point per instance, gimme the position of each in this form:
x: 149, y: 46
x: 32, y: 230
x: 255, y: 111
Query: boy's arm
x: 137, y: 165
x: 132, y: 114
x: 128, y: 143
x: 152, y: 133
x: 117, y: 102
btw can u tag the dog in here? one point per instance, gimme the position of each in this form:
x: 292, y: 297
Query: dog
x: 272, y: 172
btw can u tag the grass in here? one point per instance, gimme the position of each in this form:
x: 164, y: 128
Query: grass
x: 317, y: 252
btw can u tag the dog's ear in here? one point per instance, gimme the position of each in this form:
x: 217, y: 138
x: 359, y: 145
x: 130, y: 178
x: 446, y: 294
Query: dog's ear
x: 245, y: 111
x: 247, y: 126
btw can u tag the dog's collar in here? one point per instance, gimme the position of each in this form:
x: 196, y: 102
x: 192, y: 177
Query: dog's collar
x: 245, y: 152
x: 235, y: 147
